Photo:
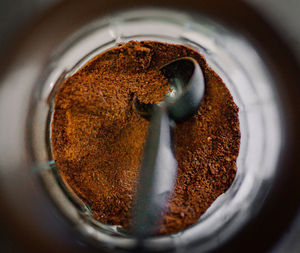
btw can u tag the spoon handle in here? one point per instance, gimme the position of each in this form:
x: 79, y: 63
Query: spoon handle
x: 157, y: 175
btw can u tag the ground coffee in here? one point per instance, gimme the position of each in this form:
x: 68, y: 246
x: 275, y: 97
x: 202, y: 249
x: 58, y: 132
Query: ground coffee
x: 97, y: 137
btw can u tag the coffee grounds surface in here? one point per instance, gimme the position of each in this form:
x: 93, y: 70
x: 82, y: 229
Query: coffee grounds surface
x: 98, y: 138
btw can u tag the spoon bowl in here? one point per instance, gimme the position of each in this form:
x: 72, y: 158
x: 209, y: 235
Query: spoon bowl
x: 186, y: 81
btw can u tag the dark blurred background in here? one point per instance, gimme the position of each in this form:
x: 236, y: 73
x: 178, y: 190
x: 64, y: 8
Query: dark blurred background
x: 283, y: 14
x: 15, y: 15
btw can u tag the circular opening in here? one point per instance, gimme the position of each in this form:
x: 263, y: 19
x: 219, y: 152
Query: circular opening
x: 242, y: 69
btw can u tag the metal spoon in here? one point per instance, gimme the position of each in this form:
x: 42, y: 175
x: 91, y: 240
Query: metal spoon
x: 159, y: 165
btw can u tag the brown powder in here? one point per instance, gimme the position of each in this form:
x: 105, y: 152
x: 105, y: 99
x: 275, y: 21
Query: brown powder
x: 98, y: 139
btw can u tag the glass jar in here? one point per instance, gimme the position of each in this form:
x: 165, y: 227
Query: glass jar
x: 234, y: 57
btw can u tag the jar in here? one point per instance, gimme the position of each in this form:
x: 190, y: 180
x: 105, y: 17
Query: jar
x: 263, y: 85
